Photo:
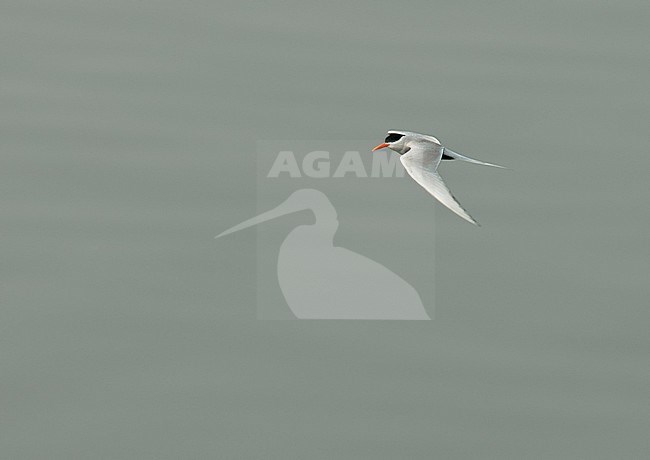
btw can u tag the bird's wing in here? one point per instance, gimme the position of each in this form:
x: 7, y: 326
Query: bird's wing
x: 421, y: 162
x: 458, y: 156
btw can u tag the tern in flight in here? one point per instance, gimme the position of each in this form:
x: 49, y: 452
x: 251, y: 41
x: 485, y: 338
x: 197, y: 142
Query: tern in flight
x: 421, y: 154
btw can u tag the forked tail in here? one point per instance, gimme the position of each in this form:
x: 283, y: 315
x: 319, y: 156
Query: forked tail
x: 451, y: 155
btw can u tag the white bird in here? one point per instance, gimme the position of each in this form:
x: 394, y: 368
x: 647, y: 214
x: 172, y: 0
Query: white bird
x: 421, y: 154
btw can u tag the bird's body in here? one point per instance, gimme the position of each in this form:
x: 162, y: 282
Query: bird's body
x: 421, y: 155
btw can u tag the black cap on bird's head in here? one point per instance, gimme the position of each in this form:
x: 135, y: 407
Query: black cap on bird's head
x: 395, y: 140
x: 402, y: 141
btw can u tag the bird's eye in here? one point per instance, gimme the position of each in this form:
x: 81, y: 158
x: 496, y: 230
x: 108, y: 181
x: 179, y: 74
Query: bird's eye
x: 393, y: 137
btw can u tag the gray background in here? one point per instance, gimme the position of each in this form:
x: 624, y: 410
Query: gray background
x: 128, y: 139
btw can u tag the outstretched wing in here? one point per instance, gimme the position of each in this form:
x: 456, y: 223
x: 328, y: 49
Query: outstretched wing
x: 421, y: 163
